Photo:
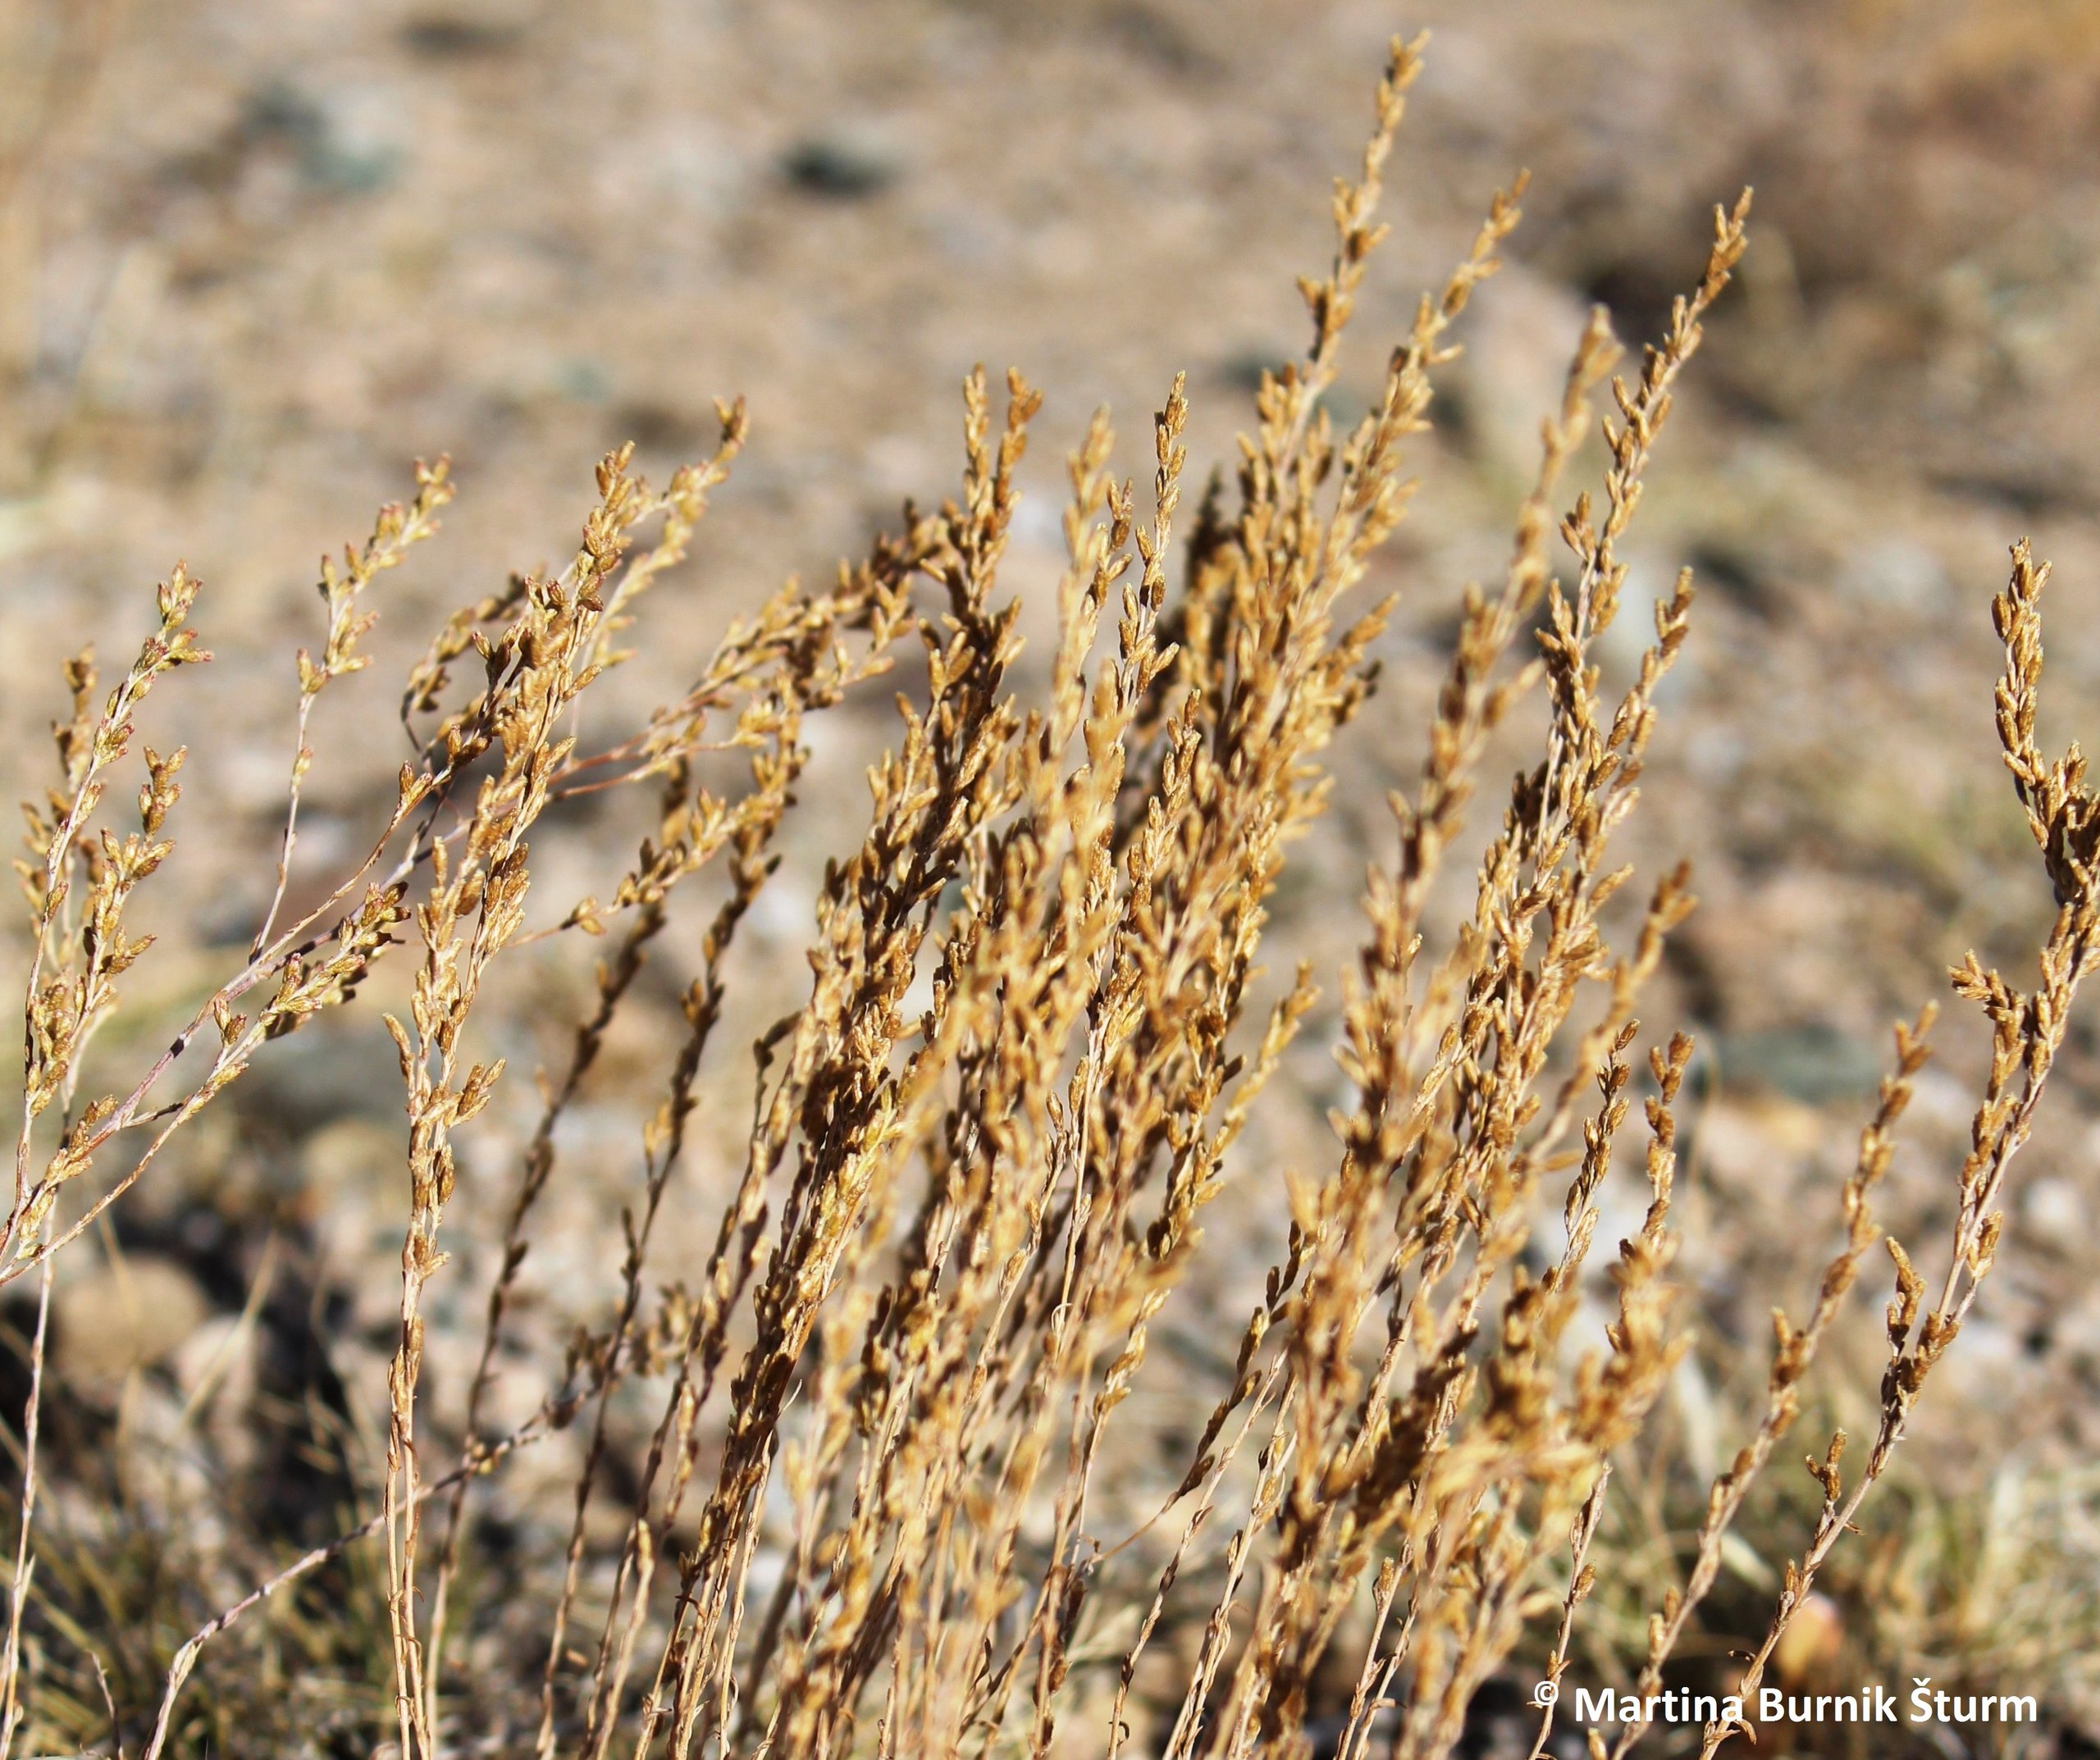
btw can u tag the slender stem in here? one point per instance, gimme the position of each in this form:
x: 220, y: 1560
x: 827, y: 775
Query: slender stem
x: 10, y: 1706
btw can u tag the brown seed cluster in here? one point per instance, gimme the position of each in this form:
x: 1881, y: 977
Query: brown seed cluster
x: 865, y: 1518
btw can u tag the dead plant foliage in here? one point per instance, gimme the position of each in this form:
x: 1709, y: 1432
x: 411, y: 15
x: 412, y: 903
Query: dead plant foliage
x: 865, y: 1520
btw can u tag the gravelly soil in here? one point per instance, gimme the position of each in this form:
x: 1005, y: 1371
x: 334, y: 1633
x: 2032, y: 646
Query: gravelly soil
x: 264, y: 255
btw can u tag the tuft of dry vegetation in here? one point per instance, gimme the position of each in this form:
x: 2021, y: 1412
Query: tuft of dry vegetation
x: 840, y: 1480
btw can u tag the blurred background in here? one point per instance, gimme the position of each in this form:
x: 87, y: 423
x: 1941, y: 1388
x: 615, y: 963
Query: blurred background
x: 255, y: 258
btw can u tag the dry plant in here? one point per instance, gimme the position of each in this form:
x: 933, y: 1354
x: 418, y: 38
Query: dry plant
x: 866, y: 1515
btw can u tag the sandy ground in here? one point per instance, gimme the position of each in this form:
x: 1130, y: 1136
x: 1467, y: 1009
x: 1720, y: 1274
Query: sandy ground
x: 260, y: 257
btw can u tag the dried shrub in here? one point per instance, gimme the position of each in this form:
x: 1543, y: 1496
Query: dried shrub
x: 865, y: 1515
